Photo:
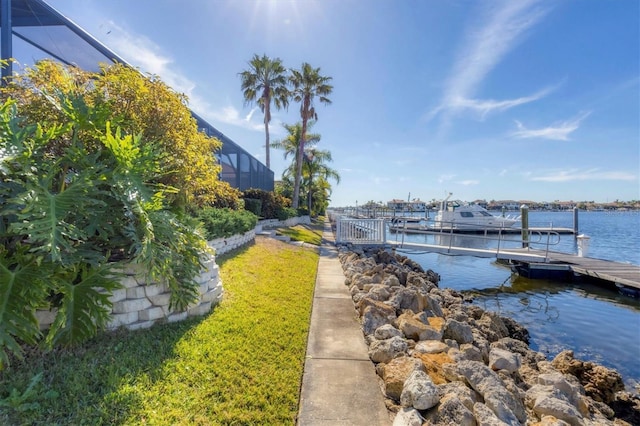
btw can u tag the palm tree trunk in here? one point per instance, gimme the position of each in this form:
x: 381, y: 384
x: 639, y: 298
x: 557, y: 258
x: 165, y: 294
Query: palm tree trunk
x: 266, y: 131
x: 298, y: 176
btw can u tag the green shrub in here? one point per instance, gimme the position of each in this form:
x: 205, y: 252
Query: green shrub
x: 284, y: 213
x: 66, y: 229
x: 253, y: 205
x: 272, y: 203
x: 220, y: 223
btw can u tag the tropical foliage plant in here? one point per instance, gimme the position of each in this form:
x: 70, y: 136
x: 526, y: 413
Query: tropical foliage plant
x: 139, y: 105
x: 78, y: 198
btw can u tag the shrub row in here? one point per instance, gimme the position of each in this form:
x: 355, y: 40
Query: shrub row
x: 219, y: 223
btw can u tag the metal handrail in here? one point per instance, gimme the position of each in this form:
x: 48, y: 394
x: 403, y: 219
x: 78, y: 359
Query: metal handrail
x: 547, y: 238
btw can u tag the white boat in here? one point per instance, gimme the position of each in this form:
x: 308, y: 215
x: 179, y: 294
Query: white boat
x: 457, y: 215
x: 408, y: 224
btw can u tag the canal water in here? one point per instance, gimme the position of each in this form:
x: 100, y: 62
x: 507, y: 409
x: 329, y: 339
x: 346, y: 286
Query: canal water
x: 594, y: 321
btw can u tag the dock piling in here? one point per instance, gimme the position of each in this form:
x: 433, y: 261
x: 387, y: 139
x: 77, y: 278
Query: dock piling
x: 524, y: 216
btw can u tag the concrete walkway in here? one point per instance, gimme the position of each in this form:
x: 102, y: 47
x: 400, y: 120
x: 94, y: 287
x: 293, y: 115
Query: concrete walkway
x: 339, y: 385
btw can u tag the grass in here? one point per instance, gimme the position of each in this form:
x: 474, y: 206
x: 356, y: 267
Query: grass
x: 311, y: 234
x: 240, y: 365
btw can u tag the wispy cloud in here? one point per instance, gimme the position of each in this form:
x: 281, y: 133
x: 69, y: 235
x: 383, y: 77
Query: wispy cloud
x: 469, y: 182
x: 148, y: 58
x: 558, y: 132
x: 487, y: 106
x: 497, y: 32
x: 584, y: 175
x: 445, y: 178
x: 230, y: 115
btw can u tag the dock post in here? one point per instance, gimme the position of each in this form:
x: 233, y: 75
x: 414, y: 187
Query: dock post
x: 575, y: 221
x: 524, y: 216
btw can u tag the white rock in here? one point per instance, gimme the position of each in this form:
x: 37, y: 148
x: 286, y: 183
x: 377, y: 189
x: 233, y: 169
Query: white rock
x: 386, y: 331
x: 500, y: 359
x: 485, y: 416
x: 419, y: 392
x: 408, y: 417
x: 431, y: 347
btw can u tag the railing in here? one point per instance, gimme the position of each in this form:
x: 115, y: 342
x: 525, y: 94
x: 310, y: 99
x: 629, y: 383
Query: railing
x: 493, y: 238
x: 360, y: 231
x: 373, y: 231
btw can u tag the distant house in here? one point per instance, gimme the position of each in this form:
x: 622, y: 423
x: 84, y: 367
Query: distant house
x: 415, y: 205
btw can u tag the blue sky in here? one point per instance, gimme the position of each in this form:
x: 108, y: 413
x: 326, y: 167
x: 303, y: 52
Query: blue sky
x: 525, y: 100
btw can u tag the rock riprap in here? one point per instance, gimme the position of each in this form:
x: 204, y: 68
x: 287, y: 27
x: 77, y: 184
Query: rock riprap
x: 444, y: 361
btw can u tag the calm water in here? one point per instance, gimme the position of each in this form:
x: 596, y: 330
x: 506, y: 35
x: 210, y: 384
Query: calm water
x: 597, y: 323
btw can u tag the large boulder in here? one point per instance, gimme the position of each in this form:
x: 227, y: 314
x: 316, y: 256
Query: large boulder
x: 419, y: 392
x: 467, y: 396
x: 546, y: 401
x: 396, y: 372
x: 486, y: 382
x: 408, y: 416
x: 413, y: 328
x: 375, y: 314
x: 386, y: 350
x: 485, y: 416
x: 500, y: 359
x: 386, y: 331
x: 451, y: 411
x: 431, y: 347
x: 408, y: 299
x: 599, y: 382
x: 458, y: 331
x: 492, y: 326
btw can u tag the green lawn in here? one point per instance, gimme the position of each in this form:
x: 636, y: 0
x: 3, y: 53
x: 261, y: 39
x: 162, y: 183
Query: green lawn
x: 311, y: 234
x: 242, y: 364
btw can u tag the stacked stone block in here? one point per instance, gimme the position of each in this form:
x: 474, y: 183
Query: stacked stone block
x: 140, y: 302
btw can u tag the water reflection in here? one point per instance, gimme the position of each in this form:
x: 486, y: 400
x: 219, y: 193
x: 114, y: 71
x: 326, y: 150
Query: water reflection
x: 598, y: 324
x: 516, y: 284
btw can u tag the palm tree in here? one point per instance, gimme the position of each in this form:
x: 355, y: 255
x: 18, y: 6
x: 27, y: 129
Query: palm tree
x: 316, y: 175
x: 291, y: 142
x: 263, y: 82
x: 307, y: 83
x: 314, y: 179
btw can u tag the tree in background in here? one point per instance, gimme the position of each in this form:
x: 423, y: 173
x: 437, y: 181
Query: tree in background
x: 290, y: 143
x: 307, y: 84
x: 316, y: 174
x: 265, y: 81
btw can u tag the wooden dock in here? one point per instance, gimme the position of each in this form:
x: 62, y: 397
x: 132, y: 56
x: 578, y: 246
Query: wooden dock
x: 618, y: 273
x: 615, y: 272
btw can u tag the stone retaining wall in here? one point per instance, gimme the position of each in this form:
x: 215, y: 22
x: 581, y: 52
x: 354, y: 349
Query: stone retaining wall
x: 287, y: 223
x: 141, y: 303
x: 224, y: 245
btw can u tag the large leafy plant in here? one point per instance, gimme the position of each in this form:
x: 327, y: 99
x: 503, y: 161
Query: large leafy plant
x: 69, y: 218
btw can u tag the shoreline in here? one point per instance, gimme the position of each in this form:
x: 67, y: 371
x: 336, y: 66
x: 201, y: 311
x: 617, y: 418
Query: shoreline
x: 436, y: 354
